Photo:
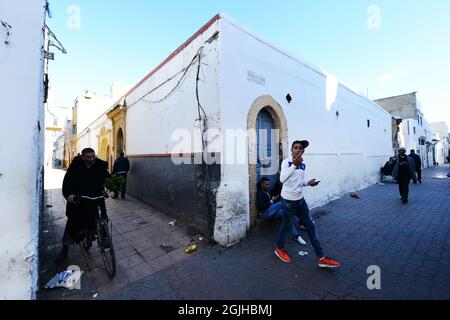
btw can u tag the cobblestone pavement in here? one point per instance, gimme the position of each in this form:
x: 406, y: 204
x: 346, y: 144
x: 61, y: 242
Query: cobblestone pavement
x: 410, y: 243
x: 144, y: 242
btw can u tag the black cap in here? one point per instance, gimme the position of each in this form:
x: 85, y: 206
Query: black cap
x: 304, y: 143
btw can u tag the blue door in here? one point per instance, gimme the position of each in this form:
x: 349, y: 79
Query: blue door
x: 264, y: 125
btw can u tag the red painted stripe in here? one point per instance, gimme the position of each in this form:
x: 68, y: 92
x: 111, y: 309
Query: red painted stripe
x: 175, y: 53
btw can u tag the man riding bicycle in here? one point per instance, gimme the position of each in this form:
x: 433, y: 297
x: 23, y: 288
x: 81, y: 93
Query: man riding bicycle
x: 84, y: 178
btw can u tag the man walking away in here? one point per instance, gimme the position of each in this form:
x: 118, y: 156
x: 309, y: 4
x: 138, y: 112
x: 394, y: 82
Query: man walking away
x: 418, y: 165
x: 121, y: 168
x: 403, y: 172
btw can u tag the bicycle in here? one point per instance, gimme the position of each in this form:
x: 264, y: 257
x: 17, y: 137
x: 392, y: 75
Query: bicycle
x: 103, y: 236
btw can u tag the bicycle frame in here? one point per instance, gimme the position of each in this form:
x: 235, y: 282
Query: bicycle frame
x: 104, y: 236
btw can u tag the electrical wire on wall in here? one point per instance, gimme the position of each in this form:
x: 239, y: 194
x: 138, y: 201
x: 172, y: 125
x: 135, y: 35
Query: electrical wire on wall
x: 180, y: 81
x: 203, y: 124
x: 8, y: 30
x: 202, y: 118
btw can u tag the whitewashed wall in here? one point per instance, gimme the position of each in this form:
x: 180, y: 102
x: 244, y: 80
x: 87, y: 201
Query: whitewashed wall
x: 410, y: 140
x: 344, y: 154
x: 89, y: 110
x: 59, y: 149
x: 441, y: 133
x: 89, y: 137
x: 150, y: 126
x: 22, y: 147
x: 439, y: 150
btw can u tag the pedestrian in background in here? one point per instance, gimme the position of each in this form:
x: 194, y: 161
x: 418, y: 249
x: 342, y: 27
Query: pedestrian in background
x: 418, y: 165
x: 404, y: 171
x: 121, y: 168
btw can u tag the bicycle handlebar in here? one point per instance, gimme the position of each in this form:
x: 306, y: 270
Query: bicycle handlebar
x: 93, y: 199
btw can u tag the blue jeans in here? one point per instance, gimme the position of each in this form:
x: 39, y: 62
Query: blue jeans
x: 276, y: 211
x: 300, y: 210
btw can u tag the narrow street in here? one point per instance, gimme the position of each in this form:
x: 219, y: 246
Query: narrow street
x: 409, y: 243
x: 144, y: 242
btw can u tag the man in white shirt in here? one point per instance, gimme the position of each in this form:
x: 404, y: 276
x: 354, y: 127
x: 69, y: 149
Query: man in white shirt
x: 293, y: 179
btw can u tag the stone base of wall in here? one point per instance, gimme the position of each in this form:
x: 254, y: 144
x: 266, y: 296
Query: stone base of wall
x: 179, y: 191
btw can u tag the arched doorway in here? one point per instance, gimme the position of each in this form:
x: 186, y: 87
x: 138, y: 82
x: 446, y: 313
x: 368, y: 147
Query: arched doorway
x: 265, y: 114
x: 266, y: 141
x: 120, y: 146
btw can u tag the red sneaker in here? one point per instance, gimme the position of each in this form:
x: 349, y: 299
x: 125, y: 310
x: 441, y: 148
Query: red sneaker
x: 282, y: 254
x: 328, y: 263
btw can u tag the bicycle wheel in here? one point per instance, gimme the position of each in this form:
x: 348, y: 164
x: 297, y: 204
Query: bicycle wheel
x: 107, y: 248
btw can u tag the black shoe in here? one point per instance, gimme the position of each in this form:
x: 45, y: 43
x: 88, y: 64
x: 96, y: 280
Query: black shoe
x: 405, y: 201
x: 420, y: 181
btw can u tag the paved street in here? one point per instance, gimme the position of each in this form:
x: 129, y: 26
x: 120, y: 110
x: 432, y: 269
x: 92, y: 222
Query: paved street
x: 410, y: 243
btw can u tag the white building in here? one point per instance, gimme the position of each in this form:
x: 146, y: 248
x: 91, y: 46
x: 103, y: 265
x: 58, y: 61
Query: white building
x: 442, y: 139
x: 91, y: 138
x: 244, y: 83
x: 415, y: 131
x: 55, y: 119
x: 90, y: 123
x: 58, y: 152
x: 22, y: 129
x: 89, y: 106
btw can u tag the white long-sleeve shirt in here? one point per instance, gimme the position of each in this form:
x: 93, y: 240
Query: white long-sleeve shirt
x: 293, y: 180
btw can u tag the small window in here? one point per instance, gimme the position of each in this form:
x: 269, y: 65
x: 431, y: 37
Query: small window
x: 368, y: 123
x: 289, y: 98
x: 414, y: 130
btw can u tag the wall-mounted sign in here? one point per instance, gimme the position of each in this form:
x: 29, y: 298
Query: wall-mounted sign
x: 252, y: 76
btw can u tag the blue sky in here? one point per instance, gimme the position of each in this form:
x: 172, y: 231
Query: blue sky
x: 123, y: 40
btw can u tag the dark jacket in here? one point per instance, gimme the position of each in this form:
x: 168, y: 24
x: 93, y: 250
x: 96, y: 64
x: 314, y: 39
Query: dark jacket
x: 389, y: 167
x: 82, y: 181
x: 411, y: 167
x: 417, y: 160
x: 263, y: 199
x: 122, y: 164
